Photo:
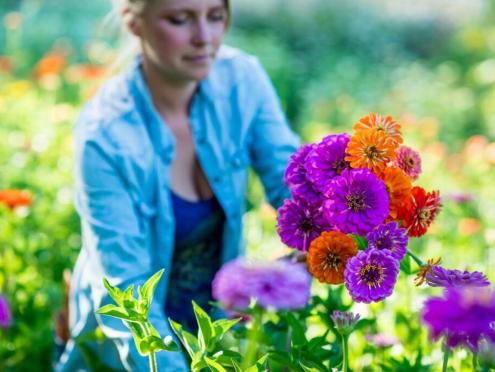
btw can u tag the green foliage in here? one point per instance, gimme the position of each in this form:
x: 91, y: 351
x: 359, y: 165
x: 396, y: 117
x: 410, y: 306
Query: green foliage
x: 134, y: 313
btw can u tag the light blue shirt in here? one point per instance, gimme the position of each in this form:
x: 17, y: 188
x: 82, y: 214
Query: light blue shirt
x: 123, y: 156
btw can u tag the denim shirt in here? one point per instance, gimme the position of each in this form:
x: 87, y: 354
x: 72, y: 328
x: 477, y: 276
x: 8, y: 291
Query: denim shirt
x: 123, y: 156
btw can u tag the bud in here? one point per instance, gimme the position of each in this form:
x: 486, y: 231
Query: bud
x: 344, y: 321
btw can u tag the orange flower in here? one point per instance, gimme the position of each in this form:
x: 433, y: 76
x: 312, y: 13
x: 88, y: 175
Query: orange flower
x: 380, y: 123
x: 371, y: 149
x: 15, y: 198
x: 398, y: 186
x: 328, y: 255
x: 50, y: 64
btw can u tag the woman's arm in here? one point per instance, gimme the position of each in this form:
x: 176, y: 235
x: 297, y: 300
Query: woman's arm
x: 272, y: 141
x: 119, y: 248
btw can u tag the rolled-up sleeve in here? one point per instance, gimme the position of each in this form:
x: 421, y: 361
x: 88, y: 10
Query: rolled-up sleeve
x: 272, y: 141
x: 118, y: 245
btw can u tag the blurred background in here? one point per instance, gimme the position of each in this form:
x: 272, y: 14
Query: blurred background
x: 429, y: 64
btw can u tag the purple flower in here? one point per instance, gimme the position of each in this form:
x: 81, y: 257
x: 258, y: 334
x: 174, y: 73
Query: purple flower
x: 461, y: 198
x: 370, y: 276
x: 296, y: 177
x: 5, y: 314
x: 463, y: 315
x: 299, y: 223
x: 327, y: 160
x: 389, y: 237
x: 357, y: 201
x: 381, y: 340
x: 437, y: 276
x: 278, y: 285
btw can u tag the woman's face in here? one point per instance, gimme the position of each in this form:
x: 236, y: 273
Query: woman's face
x: 180, y: 38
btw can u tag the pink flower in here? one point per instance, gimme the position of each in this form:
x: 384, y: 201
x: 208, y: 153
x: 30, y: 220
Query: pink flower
x: 409, y: 161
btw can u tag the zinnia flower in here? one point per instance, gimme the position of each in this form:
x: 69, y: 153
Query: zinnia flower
x: 398, y: 188
x: 357, y: 201
x: 296, y: 177
x: 463, y: 315
x: 420, y: 278
x: 389, y: 237
x: 419, y: 211
x: 15, y: 198
x: 380, y: 123
x: 370, y: 276
x: 437, y: 276
x: 328, y: 255
x: 280, y: 285
x: 299, y: 222
x: 409, y: 161
x: 327, y: 160
x: 371, y: 149
x: 5, y: 314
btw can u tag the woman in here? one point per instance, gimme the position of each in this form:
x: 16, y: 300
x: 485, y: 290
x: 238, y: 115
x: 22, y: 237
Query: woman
x: 161, y: 168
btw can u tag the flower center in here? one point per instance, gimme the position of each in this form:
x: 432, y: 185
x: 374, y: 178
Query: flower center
x: 372, y: 152
x: 383, y: 242
x: 409, y: 163
x: 371, y: 274
x: 306, y: 225
x: 356, y: 202
x: 331, y: 260
x: 424, y: 216
x: 339, y: 166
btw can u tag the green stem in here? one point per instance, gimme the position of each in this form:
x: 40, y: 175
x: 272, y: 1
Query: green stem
x: 475, y: 361
x: 418, y: 260
x: 253, y: 338
x: 345, y: 353
x: 153, y: 362
x: 446, y: 354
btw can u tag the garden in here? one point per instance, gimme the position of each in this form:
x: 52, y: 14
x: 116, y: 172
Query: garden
x: 405, y: 285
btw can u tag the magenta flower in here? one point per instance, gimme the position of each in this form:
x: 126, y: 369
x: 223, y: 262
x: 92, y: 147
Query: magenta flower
x: 327, y: 160
x: 437, y: 276
x: 409, y: 161
x: 357, y: 201
x: 296, y: 176
x: 463, y: 315
x: 389, y: 237
x: 370, y: 276
x: 278, y: 285
x: 461, y: 197
x: 299, y: 223
x: 5, y: 314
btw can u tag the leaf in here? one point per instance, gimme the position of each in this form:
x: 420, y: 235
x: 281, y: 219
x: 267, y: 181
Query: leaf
x: 361, y: 241
x: 237, y: 367
x: 298, y: 332
x: 149, y: 287
x: 189, y: 342
x: 405, y: 265
x: 214, y: 365
x: 116, y: 312
x: 128, y: 293
x: 206, y: 331
x: 115, y: 293
x: 308, y: 369
x: 156, y: 344
x: 259, y: 366
x: 223, y: 325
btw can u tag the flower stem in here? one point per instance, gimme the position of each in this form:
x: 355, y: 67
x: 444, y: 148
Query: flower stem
x: 253, y: 338
x: 345, y: 353
x: 416, y: 259
x: 446, y: 354
x: 152, y: 362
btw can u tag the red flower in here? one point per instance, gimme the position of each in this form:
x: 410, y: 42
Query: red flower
x: 419, y: 211
x: 15, y: 198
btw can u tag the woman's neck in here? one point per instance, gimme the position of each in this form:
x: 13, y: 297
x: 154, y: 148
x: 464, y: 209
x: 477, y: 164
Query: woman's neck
x: 169, y: 97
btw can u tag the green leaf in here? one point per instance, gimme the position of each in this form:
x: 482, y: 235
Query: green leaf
x: 115, y: 293
x: 156, y: 343
x: 405, y: 265
x: 189, y: 342
x: 317, y: 342
x: 116, y: 312
x: 237, y: 367
x: 128, y: 293
x: 259, y: 366
x: 206, y: 331
x: 149, y: 287
x: 223, y: 325
x: 214, y: 365
x: 138, y: 334
x: 308, y: 369
x: 298, y: 332
x: 361, y: 241
x: 225, y: 357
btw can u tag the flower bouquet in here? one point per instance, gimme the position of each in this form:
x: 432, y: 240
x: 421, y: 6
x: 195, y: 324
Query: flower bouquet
x: 354, y: 206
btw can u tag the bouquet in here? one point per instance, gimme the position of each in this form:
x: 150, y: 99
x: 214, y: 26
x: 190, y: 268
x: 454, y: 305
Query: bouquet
x: 354, y: 206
